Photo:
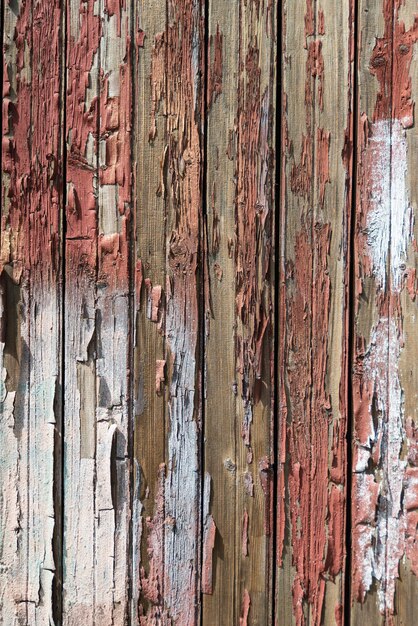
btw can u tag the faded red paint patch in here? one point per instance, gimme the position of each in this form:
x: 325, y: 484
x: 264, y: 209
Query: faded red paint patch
x: 317, y: 519
x: 323, y: 144
x: 244, y: 540
x: 215, y: 69
x: 82, y: 139
x: 152, y: 581
x: 390, y: 62
x: 253, y: 236
x: 245, y: 611
x: 155, y: 295
x: 207, y: 562
x: 32, y: 171
x: 159, y: 375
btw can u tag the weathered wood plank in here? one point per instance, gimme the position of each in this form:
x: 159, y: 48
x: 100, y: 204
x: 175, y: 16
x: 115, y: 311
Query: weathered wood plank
x: 150, y: 353
x: 170, y: 475
x: 222, y: 601
x: 314, y: 242
x: 384, y: 534
x: 239, y: 322
x: 98, y: 325
x: 30, y: 348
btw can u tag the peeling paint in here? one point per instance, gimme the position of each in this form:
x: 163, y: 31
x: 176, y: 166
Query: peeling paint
x: 209, y: 535
x: 382, y: 483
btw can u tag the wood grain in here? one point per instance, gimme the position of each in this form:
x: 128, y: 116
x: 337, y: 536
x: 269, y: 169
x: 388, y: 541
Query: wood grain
x: 150, y: 283
x: 313, y: 310
x: 30, y: 348
x: 239, y: 316
x: 168, y: 348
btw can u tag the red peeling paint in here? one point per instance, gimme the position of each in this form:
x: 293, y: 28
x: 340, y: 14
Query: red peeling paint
x: 336, y: 529
x: 394, y: 97
x: 32, y: 172
x: 82, y: 123
x: 314, y: 72
x: 215, y: 69
x: 323, y: 143
x: 157, y: 78
x: 244, y: 541
x: 245, y: 610
x: 253, y: 235
x: 321, y: 22
x: 307, y: 434
x: 383, y: 483
x: 152, y: 581
x: 309, y: 19
x: 159, y: 375
x: 155, y: 295
x: 207, y: 559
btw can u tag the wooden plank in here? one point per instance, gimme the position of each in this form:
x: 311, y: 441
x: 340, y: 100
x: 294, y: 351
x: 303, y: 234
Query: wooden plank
x: 170, y: 204
x: 150, y: 352
x: 30, y: 348
x: 384, y: 535
x: 313, y: 331
x: 239, y: 320
x: 221, y: 601
x: 97, y: 339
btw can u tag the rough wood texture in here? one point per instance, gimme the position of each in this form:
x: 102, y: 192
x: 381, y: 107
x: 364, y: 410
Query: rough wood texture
x: 384, y: 497
x: 150, y: 391
x: 30, y: 348
x: 239, y: 311
x: 314, y: 244
x: 167, y: 524
x: 208, y: 346
x: 97, y: 313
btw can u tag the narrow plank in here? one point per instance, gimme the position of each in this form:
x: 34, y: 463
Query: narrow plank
x: 184, y: 207
x: 150, y: 353
x: 222, y: 599
x: 239, y: 343
x: 313, y: 309
x: 30, y: 348
x: 385, y: 397
x: 98, y: 325
x: 169, y: 204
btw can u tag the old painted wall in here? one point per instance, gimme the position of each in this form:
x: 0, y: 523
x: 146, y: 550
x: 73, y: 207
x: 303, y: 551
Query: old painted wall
x: 209, y: 340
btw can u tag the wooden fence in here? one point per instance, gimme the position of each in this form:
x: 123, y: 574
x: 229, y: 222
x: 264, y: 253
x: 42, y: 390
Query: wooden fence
x: 209, y: 324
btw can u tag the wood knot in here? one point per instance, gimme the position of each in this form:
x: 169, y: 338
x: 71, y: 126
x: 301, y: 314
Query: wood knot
x: 180, y: 255
x: 404, y: 48
x: 378, y: 61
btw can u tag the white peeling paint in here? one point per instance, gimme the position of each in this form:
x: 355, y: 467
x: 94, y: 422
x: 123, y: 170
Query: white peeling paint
x: 389, y: 222
x: 383, y: 541
x: 27, y: 469
x: 182, y: 483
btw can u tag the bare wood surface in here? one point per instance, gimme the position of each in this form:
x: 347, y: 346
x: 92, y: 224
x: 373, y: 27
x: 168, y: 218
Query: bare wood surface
x: 239, y: 315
